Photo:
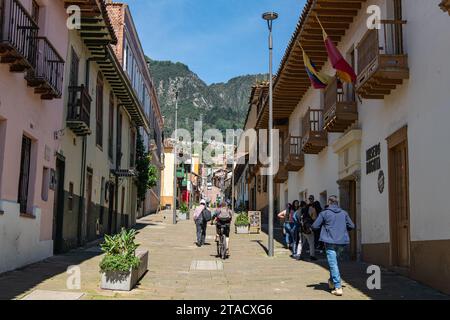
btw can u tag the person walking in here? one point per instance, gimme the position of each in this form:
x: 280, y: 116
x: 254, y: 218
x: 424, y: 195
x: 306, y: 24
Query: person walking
x: 306, y: 233
x: 315, y: 208
x: 200, y: 223
x: 287, y: 216
x: 334, y: 224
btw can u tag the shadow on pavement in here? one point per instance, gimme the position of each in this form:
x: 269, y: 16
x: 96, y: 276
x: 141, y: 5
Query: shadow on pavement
x: 15, y: 283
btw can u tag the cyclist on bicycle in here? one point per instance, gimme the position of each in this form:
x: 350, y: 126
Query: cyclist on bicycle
x: 222, y: 217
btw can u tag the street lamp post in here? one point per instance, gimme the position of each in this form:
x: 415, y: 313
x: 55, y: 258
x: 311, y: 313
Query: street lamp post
x: 270, y: 17
x: 175, y: 162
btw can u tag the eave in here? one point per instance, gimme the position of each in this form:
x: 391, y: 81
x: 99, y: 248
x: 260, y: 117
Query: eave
x: 292, y: 81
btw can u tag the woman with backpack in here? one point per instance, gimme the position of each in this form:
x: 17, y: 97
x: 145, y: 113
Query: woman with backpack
x: 201, y: 222
x: 305, y: 222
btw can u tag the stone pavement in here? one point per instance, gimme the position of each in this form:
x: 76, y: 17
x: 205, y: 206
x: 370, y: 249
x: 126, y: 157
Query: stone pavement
x: 180, y: 270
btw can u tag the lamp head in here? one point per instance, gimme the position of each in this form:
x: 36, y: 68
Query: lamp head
x: 270, y: 16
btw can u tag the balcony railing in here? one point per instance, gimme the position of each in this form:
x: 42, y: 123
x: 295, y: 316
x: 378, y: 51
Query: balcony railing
x: 315, y: 139
x: 47, y: 76
x: 79, y: 110
x: 382, y: 60
x: 294, y: 158
x: 18, y: 33
x: 339, y: 108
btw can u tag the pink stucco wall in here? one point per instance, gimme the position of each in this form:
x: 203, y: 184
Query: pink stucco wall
x: 26, y: 113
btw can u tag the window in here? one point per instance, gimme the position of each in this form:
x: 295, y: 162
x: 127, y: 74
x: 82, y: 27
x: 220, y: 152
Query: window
x: 45, y: 184
x: 111, y: 127
x: 74, y: 67
x: 24, y: 176
x: 70, y: 197
x: 99, y: 112
x: 132, y: 148
x: 119, y: 140
x: 35, y: 12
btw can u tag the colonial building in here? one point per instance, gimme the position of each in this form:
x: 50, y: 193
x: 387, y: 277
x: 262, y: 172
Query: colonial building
x: 131, y: 56
x: 380, y: 144
x: 33, y: 47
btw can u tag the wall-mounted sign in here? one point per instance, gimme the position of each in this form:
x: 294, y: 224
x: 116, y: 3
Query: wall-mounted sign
x: 381, y: 182
x: 373, y: 160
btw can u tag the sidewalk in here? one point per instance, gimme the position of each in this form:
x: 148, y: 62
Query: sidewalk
x: 180, y: 270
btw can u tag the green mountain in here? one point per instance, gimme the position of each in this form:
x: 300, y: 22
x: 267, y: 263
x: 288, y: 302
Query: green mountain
x: 220, y: 105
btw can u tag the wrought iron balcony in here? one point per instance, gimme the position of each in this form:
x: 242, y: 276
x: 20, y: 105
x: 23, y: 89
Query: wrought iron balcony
x: 47, y: 76
x: 315, y: 138
x: 18, y: 33
x: 382, y: 60
x: 79, y: 110
x: 339, y: 108
x: 293, y: 156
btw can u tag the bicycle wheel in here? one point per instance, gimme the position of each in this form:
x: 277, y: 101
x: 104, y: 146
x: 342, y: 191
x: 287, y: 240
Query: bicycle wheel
x: 218, y: 248
x: 224, y: 247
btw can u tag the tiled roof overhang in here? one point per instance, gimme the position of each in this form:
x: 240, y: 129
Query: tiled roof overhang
x: 292, y: 82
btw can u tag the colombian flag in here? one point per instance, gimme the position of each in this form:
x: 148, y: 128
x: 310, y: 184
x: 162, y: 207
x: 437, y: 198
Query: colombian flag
x: 318, y: 79
x: 343, y: 70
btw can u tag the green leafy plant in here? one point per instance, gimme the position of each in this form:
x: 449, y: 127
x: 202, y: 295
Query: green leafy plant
x: 147, y: 174
x: 120, y: 250
x: 184, y: 208
x: 242, y: 220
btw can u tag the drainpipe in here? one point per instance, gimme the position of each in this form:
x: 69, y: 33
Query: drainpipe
x: 118, y: 160
x: 81, y: 206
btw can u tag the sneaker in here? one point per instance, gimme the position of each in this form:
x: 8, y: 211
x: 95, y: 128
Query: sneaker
x: 337, y: 292
x: 331, y: 285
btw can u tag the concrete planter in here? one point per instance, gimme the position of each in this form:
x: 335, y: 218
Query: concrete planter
x: 183, y: 216
x: 242, y: 229
x: 125, y: 281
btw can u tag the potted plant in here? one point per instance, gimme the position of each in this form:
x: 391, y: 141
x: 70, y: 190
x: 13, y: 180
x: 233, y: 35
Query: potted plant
x: 122, y: 266
x: 184, y: 210
x: 242, y: 223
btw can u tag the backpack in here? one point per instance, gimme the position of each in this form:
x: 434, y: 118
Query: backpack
x: 206, y: 215
x: 224, y: 215
x: 306, y: 222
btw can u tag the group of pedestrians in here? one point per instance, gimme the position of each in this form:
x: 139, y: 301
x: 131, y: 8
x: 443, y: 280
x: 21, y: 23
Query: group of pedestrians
x: 322, y: 230
x: 298, y: 219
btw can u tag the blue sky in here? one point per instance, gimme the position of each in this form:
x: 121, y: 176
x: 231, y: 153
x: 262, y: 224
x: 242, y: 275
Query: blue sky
x: 217, y: 39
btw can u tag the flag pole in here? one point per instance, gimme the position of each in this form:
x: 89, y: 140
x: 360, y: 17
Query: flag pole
x: 325, y: 35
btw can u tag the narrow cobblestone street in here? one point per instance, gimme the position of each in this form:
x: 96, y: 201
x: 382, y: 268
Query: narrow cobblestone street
x: 180, y: 270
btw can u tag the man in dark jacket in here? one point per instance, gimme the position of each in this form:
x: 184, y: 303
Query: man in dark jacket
x: 334, y: 224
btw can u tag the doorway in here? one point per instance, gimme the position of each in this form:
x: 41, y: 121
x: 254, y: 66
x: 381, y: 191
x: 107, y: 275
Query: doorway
x: 58, y: 206
x: 111, y: 202
x: 353, y: 249
x: 90, y: 226
x: 399, y: 199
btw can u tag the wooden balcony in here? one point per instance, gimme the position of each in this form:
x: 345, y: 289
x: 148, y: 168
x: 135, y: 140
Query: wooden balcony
x: 294, y: 158
x: 445, y: 6
x: 315, y: 138
x: 282, y: 175
x: 18, y: 33
x: 339, y: 109
x: 382, y: 61
x: 79, y: 111
x: 47, y: 76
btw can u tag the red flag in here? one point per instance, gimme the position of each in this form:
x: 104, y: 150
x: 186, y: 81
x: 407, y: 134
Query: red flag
x: 344, y: 71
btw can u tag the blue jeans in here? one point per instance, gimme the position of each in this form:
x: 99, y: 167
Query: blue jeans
x: 288, y: 234
x: 333, y: 253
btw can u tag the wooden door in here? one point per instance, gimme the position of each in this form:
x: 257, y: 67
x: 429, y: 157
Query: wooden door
x: 399, y: 200
x: 352, y: 213
x: 90, y: 227
x: 58, y: 207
